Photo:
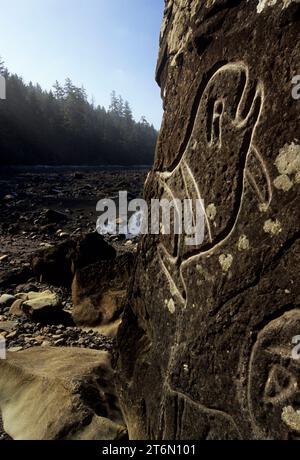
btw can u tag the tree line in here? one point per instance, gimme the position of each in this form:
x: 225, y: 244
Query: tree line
x: 62, y: 127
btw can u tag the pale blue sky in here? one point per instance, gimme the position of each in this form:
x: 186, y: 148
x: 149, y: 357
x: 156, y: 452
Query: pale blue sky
x: 102, y: 44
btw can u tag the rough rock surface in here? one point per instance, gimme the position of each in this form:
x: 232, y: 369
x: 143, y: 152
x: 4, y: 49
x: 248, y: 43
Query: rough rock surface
x: 99, y: 290
x: 206, y: 342
x: 43, y: 307
x: 69, y: 391
x: 53, y: 265
x: 57, y: 265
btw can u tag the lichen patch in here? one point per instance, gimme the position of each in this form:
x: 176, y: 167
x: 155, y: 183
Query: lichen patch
x: 262, y: 4
x: 273, y: 227
x: 225, y: 262
x: 263, y: 207
x: 288, y: 160
x: 288, y: 166
x: 243, y: 243
x: 283, y: 182
x: 211, y: 211
x: 170, y: 305
x: 291, y: 418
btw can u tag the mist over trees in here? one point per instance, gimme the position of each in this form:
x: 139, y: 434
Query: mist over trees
x: 62, y: 127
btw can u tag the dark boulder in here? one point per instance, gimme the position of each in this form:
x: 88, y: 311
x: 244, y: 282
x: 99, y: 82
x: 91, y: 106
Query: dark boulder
x: 14, y: 276
x: 54, y: 265
x: 51, y: 216
x: 99, y: 290
x: 92, y: 248
x: 57, y: 265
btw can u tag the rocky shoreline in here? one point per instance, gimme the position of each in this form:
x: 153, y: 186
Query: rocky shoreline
x: 46, y: 248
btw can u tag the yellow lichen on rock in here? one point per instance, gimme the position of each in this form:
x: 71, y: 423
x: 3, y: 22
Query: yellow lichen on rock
x: 273, y: 227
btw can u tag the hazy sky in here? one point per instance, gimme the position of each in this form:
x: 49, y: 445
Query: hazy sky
x: 102, y: 44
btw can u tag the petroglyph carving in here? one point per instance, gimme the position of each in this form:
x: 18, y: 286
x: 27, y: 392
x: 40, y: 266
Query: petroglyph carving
x: 226, y: 119
x: 281, y: 384
x: 202, y: 354
x: 212, y: 420
x: 274, y: 376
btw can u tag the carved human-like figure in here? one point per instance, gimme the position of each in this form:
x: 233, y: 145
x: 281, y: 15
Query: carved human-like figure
x: 218, y: 158
x: 274, y: 379
x: 214, y: 165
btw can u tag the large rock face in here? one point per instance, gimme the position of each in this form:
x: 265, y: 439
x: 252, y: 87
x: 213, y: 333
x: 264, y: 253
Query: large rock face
x: 206, y: 343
